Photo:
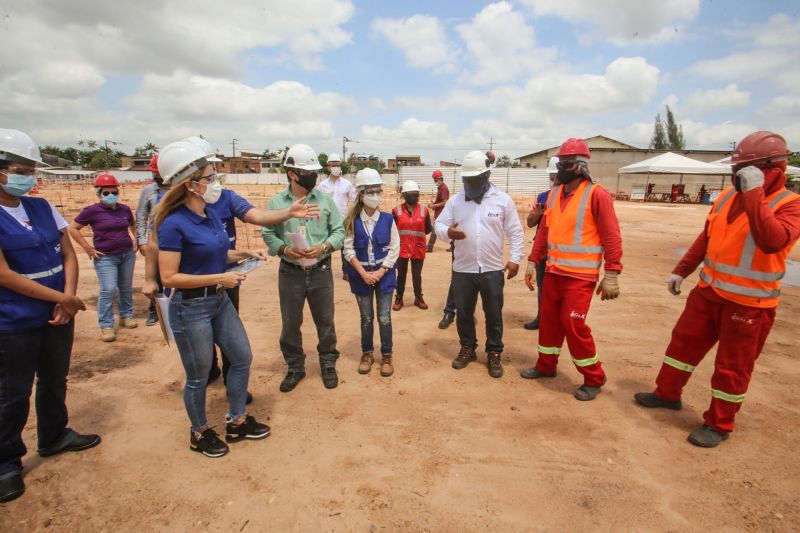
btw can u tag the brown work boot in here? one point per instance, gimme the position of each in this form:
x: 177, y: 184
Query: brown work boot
x: 108, y: 334
x: 419, y: 302
x: 398, y: 303
x: 366, y: 363
x: 465, y: 357
x: 494, y: 364
x: 386, y: 365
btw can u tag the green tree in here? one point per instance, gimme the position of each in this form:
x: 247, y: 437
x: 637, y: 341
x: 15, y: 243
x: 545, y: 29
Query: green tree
x: 794, y: 159
x: 323, y: 160
x: 145, y: 150
x: 659, y: 139
x: 98, y: 159
x: 675, y: 138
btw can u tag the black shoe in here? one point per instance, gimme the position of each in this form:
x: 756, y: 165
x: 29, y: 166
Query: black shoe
x: 429, y: 249
x: 78, y: 444
x: 249, y: 399
x: 329, y: 377
x: 11, y: 488
x: 291, y: 380
x: 533, y: 324
x: 249, y: 429
x: 465, y: 356
x: 446, y: 320
x: 585, y: 393
x: 152, y: 318
x: 706, y: 437
x: 494, y: 364
x: 649, y: 399
x: 208, y: 443
x: 535, y: 373
x: 214, y: 374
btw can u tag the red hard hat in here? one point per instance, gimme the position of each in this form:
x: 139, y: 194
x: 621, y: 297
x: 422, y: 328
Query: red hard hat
x: 154, y: 163
x: 105, y: 180
x: 574, y: 147
x: 760, y: 146
x: 436, y: 174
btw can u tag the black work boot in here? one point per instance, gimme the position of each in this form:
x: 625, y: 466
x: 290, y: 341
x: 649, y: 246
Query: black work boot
x: 535, y: 373
x: 465, y: 357
x: 291, y: 380
x: 11, y: 488
x: 706, y: 437
x: 329, y: 377
x: 533, y: 324
x: 585, y: 393
x: 650, y: 400
x: 494, y: 364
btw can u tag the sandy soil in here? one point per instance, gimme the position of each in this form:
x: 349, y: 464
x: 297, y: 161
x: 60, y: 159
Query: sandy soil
x: 430, y: 449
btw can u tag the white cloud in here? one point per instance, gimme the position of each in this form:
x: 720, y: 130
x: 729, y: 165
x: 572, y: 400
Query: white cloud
x: 501, y: 46
x: 421, y: 39
x: 708, y: 100
x: 623, y: 21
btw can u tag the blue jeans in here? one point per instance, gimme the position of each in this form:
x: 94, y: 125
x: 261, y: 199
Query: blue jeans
x: 198, y: 324
x: 115, y: 272
x: 384, y: 304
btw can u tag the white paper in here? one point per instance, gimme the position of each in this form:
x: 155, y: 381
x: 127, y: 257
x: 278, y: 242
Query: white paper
x: 246, y: 266
x: 163, y: 306
x: 299, y: 241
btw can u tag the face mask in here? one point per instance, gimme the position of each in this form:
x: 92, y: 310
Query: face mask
x: 110, y: 199
x: 18, y: 185
x: 213, y: 192
x: 565, y: 176
x: 475, y: 188
x: 336, y: 171
x: 412, y: 199
x: 372, y: 200
x: 307, y: 181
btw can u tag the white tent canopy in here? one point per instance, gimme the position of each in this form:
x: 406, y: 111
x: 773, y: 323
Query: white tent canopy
x: 671, y: 163
x: 726, y: 161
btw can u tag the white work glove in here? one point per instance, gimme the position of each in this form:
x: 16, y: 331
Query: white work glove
x: 674, y: 284
x: 749, y: 178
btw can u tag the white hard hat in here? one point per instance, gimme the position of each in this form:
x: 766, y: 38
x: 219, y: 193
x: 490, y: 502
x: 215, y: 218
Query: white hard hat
x: 368, y: 176
x: 409, y: 186
x: 551, y: 165
x: 334, y: 158
x: 205, y: 146
x: 303, y: 157
x: 475, y: 163
x: 179, y: 160
x: 18, y: 147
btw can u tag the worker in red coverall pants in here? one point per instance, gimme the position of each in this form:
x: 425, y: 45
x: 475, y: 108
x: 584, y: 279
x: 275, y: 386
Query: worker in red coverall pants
x: 734, y: 302
x: 585, y: 211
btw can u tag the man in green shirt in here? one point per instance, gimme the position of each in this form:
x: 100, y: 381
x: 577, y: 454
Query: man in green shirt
x: 298, y: 279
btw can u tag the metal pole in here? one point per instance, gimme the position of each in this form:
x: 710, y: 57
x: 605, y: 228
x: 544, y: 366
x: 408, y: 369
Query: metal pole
x: 106, y: 142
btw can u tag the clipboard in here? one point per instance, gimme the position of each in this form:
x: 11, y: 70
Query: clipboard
x: 162, y: 310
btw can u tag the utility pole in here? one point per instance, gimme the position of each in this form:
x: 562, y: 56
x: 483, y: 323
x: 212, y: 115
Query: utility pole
x: 233, y: 158
x: 491, y: 144
x: 346, y: 140
x: 106, y: 143
x: 733, y: 146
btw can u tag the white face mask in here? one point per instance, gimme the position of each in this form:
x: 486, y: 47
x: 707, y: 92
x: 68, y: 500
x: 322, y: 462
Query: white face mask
x: 336, y: 171
x: 372, y: 200
x: 213, y: 192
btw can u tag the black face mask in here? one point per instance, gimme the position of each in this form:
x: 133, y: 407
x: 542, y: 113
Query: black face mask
x: 565, y: 176
x: 307, y: 181
x: 475, y: 187
x: 411, y: 199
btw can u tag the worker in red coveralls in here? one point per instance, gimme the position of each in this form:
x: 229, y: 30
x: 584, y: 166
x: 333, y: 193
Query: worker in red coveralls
x: 748, y: 234
x: 579, y: 230
x: 413, y: 224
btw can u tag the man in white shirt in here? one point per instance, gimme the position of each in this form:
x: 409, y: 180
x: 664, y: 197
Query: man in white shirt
x: 338, y: 188
x: 478, y: 219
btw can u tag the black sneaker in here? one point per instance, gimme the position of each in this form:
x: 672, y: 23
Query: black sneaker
x: 208, y: 443
x: 291, y: 380
x: 249, y: 429
x: 152, y: 318
x: 214, y: 374
x: 329, y: 377
x: 249, y: 399
x: 446, y: 320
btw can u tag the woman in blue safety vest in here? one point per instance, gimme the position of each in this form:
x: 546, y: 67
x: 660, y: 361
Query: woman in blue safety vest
x: 38, y: 279
x: 371, y: 248
x: 192, y: 258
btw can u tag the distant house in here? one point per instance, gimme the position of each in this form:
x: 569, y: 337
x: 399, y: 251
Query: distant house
x: 140, y: 163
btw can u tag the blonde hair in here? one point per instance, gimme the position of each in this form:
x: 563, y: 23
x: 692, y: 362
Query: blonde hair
x: 355, y: 210
x: 172, y: 200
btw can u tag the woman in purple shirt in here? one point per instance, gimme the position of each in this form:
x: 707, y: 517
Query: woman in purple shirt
x: 113, y: 252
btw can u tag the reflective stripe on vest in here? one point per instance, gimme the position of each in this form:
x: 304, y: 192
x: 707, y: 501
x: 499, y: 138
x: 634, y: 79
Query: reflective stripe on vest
x: 680, y: 365
x: 550, y: 350
x: 45, y: 274
x: 744, y: 287
x: 555, y: 250
x: 721, y: 395
x: 411, y: 232
x: 586, y: 362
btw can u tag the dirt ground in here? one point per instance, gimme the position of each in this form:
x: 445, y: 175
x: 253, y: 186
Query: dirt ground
x: 431, y: 448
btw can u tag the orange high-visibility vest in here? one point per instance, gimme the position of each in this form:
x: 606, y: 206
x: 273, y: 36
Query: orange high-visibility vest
x: 573, y: 240
x: 734, y: 267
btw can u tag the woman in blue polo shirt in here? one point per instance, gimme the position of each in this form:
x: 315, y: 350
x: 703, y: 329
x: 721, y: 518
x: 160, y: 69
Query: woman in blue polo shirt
x: 192, y: 258
x: 38, y: 279
x: 371, y: 248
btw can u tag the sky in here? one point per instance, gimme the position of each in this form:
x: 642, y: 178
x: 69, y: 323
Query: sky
x: 436, y: 79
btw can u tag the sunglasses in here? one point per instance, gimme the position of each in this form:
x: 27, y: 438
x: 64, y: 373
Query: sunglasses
x: 307, y: 174
x: 564, y: 165
x: 109, y: 193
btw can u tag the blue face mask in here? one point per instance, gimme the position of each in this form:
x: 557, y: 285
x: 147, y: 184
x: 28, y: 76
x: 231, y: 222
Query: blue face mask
x: 111, y: 199
x: 18, y: 185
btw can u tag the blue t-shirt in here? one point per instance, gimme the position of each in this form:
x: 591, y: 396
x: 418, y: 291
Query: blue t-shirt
x: 541, y: 198
x: 229, y: 207
x: 202, y: 241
